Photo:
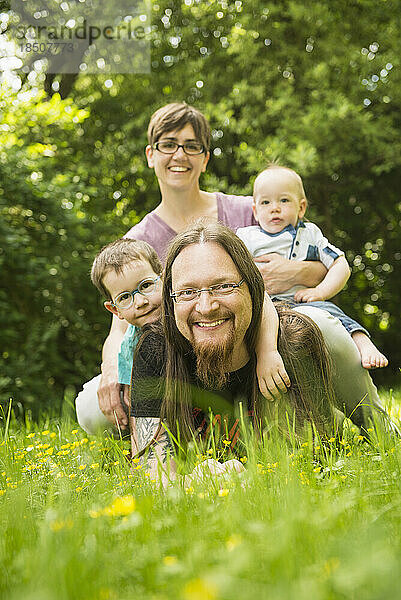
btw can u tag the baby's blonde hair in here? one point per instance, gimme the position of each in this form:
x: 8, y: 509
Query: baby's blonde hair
x: 274, y: 166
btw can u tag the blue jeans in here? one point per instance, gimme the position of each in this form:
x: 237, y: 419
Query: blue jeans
x: 350, y: 324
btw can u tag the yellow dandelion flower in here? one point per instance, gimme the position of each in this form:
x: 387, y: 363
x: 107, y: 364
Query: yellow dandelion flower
x: 72, y: 475
x: 317, y: 447
x: 189, y: 490
x: 78, y: 489
x: 199, y: 589
x: 223, y: 492
x: 60, y: 524
x: 227, y: 442
x: 94, y: 465
x: 50, y: 451
x: 210, y: 451
x: 121, y: 506
x: 233, y: 541
x: 53, y: 435
x: 30, y: 435
x: 332, y: 439
x: 243, y: 459
x: 343, y: 477
x: 84, y: 441
x: 136, y: 460
x: 45, y: 432
x: 116, y: 463
x: 2, y: 492
x: 170, y: 561
x: 74, y: 431
x: 82, y: 467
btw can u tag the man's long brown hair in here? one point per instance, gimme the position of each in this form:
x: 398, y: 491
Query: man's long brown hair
x: 176, y: 408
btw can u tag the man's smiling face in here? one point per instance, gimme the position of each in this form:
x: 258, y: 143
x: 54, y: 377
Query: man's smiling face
x: 212, y: 320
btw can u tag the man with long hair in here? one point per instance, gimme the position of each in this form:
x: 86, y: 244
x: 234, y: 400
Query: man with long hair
x: 203, y: 355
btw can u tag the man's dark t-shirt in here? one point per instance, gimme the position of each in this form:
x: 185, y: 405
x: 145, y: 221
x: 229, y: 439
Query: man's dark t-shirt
x: 147, y: 389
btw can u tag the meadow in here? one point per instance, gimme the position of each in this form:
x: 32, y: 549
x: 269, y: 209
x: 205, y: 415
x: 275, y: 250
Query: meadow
x: 303, y: 521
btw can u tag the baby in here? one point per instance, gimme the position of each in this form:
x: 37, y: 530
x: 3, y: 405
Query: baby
x: 279, y: 206
x: 127, y: 273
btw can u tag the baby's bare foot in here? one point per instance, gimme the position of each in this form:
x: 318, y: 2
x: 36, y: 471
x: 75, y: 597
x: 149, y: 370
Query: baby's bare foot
x: 371, y: 357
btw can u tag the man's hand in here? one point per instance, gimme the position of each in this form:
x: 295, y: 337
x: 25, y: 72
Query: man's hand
x: 212, y: 469
x: 109, y: 396
x: 308, y: 295
x: 272, y: 377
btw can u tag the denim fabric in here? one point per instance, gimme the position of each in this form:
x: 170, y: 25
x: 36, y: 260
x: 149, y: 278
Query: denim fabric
x: 350, y: 324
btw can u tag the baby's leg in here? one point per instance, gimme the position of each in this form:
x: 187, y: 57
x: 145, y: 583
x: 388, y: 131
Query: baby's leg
x: 371, y: 357
x: 354, y: 389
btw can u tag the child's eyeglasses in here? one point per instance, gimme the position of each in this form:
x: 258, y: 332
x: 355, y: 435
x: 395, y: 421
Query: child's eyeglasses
x: 126, y: 299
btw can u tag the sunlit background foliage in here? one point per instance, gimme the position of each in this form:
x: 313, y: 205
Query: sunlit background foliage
x: 315, y: 85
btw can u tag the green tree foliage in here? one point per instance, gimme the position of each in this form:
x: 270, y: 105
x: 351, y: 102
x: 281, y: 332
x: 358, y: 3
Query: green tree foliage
x: 47, y: 302
x: 315, y: 85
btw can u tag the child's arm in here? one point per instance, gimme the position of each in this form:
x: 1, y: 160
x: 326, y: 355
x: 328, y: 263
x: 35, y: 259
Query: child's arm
x: 336, y: 277
x: 109, y: 388
x: 272, y: 376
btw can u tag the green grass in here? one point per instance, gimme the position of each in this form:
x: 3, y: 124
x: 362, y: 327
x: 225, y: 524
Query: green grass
x: 300, y: 523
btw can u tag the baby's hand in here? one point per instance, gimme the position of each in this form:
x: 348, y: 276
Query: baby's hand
x: 308, y: 295
x: 272, y: 376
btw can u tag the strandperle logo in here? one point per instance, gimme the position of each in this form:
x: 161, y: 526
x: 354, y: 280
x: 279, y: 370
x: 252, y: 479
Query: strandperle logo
x: 82, y: 35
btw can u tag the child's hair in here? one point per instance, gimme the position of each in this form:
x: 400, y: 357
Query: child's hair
x: 116, y: 255
x: 273, y: 166
x: 175, y: 116
x: 308, y: 363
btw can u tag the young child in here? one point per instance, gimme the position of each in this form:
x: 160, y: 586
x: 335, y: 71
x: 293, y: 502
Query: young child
x: 127, y: 273
x: 279, y: 204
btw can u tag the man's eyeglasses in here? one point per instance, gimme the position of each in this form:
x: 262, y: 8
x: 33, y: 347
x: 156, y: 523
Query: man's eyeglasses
x: 218, y: 290
x: 126, y: 299
x: 168, y: 147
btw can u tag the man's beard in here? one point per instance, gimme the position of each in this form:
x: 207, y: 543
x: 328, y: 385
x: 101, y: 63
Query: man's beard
x: 212, y: 359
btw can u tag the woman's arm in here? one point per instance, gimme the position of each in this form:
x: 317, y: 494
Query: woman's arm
x: 109, y: 387
x: 281, y: 274
x: 272, y: 376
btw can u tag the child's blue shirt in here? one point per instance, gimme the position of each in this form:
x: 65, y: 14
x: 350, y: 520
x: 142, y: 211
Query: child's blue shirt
x: 126, y: 354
